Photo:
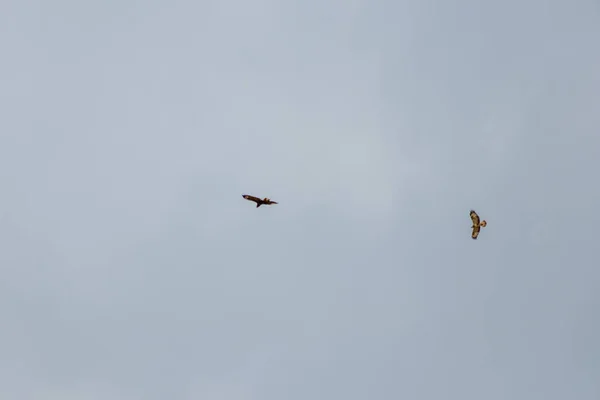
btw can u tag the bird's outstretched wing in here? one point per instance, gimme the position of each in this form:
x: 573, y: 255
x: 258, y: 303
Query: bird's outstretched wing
x: 475, y: 233
x: 474, y: 218
x: 252, y: 198
x: 476, y: 225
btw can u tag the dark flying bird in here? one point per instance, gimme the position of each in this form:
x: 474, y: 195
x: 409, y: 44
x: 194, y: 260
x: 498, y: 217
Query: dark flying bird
x: 476, y: 224
x: 259, y: 202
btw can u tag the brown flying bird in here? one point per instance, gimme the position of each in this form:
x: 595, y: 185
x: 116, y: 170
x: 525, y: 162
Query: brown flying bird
x: 476, y: 224
x: 259, y: 202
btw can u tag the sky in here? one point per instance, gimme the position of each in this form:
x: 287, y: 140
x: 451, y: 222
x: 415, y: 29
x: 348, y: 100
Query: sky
x: 132, y: 269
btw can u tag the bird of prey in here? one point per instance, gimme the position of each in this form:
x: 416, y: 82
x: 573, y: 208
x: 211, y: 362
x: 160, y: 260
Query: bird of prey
x: 259, y: 202
x: 476, y: 224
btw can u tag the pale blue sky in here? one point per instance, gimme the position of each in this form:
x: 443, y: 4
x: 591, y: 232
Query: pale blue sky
x: 132, y: 269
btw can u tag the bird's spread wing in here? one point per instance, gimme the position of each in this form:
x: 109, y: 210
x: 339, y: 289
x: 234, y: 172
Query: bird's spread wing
x: 252, y: 198
x: 474, y: 218
x: 476, y: 225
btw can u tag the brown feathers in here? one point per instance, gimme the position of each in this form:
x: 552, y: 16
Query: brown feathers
x: 477, y: 224
x: 259, y: 202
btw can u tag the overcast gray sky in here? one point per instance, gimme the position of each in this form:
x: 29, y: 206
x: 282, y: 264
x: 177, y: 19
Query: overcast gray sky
x: 132, y: 269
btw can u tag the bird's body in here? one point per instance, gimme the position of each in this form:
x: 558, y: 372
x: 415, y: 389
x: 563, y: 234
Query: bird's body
x: 259, y: 202
x: 477, y: 224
